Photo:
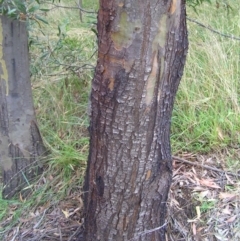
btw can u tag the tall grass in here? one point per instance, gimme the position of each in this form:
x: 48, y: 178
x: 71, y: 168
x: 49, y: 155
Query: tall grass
x: 62, y: 67
x: 207, y: 107
x: 206, y: 115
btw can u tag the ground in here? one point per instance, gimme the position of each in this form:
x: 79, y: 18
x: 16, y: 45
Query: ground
x: 203, y: 205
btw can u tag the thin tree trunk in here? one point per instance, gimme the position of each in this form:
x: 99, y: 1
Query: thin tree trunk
x: 142, y: 52
x: 80, y: 11
x: 20, y: 142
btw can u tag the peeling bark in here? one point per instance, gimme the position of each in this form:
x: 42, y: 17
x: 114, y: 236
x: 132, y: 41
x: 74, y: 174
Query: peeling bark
x: 21, y: 145
x: 142, y: 52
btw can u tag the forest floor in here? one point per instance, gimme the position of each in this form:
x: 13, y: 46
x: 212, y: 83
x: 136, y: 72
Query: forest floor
x: 204, y: 203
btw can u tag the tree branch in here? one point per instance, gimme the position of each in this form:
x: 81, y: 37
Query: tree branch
x: 78, y: 8
x: 213, y: 30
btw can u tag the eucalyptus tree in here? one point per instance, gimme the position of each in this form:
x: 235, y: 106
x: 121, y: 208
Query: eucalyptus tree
x: 21, y: 146
x: 141, y: 56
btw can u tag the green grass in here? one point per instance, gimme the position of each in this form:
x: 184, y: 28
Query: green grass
x: 61, y: 83
x: 207, y: 108
x: 62, y: 67
x: 207, y: 205
x: 205, y: 116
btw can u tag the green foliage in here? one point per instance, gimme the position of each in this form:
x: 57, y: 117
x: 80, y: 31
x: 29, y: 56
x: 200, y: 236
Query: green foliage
x: 3, y: 207
x: 23, y: 10
x: 62, y: 65
x: 207, y: 205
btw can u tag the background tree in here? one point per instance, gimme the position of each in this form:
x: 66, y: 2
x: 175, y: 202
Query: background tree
x: 20, y: 141
x: 142, y: 51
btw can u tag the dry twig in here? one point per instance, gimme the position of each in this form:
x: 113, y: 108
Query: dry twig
x: 204, y: 166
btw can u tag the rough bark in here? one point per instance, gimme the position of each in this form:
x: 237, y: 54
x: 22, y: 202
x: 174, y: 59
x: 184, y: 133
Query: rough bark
x: 142, y: 52
x: 20, y: 142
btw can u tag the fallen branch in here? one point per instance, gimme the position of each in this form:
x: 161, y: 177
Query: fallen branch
x: 205, y: 166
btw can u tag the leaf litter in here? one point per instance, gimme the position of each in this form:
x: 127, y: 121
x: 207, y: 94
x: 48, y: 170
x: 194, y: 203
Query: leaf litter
x: 53, y: 220
x: 203, y: 205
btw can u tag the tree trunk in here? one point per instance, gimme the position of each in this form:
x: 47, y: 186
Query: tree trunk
x: 142, y: 51
x: 20, y: 141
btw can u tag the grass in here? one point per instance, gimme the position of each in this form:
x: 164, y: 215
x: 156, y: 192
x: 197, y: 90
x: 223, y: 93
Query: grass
x: 207, y: 108
x: 205, y: 116
x: 61, y: 85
